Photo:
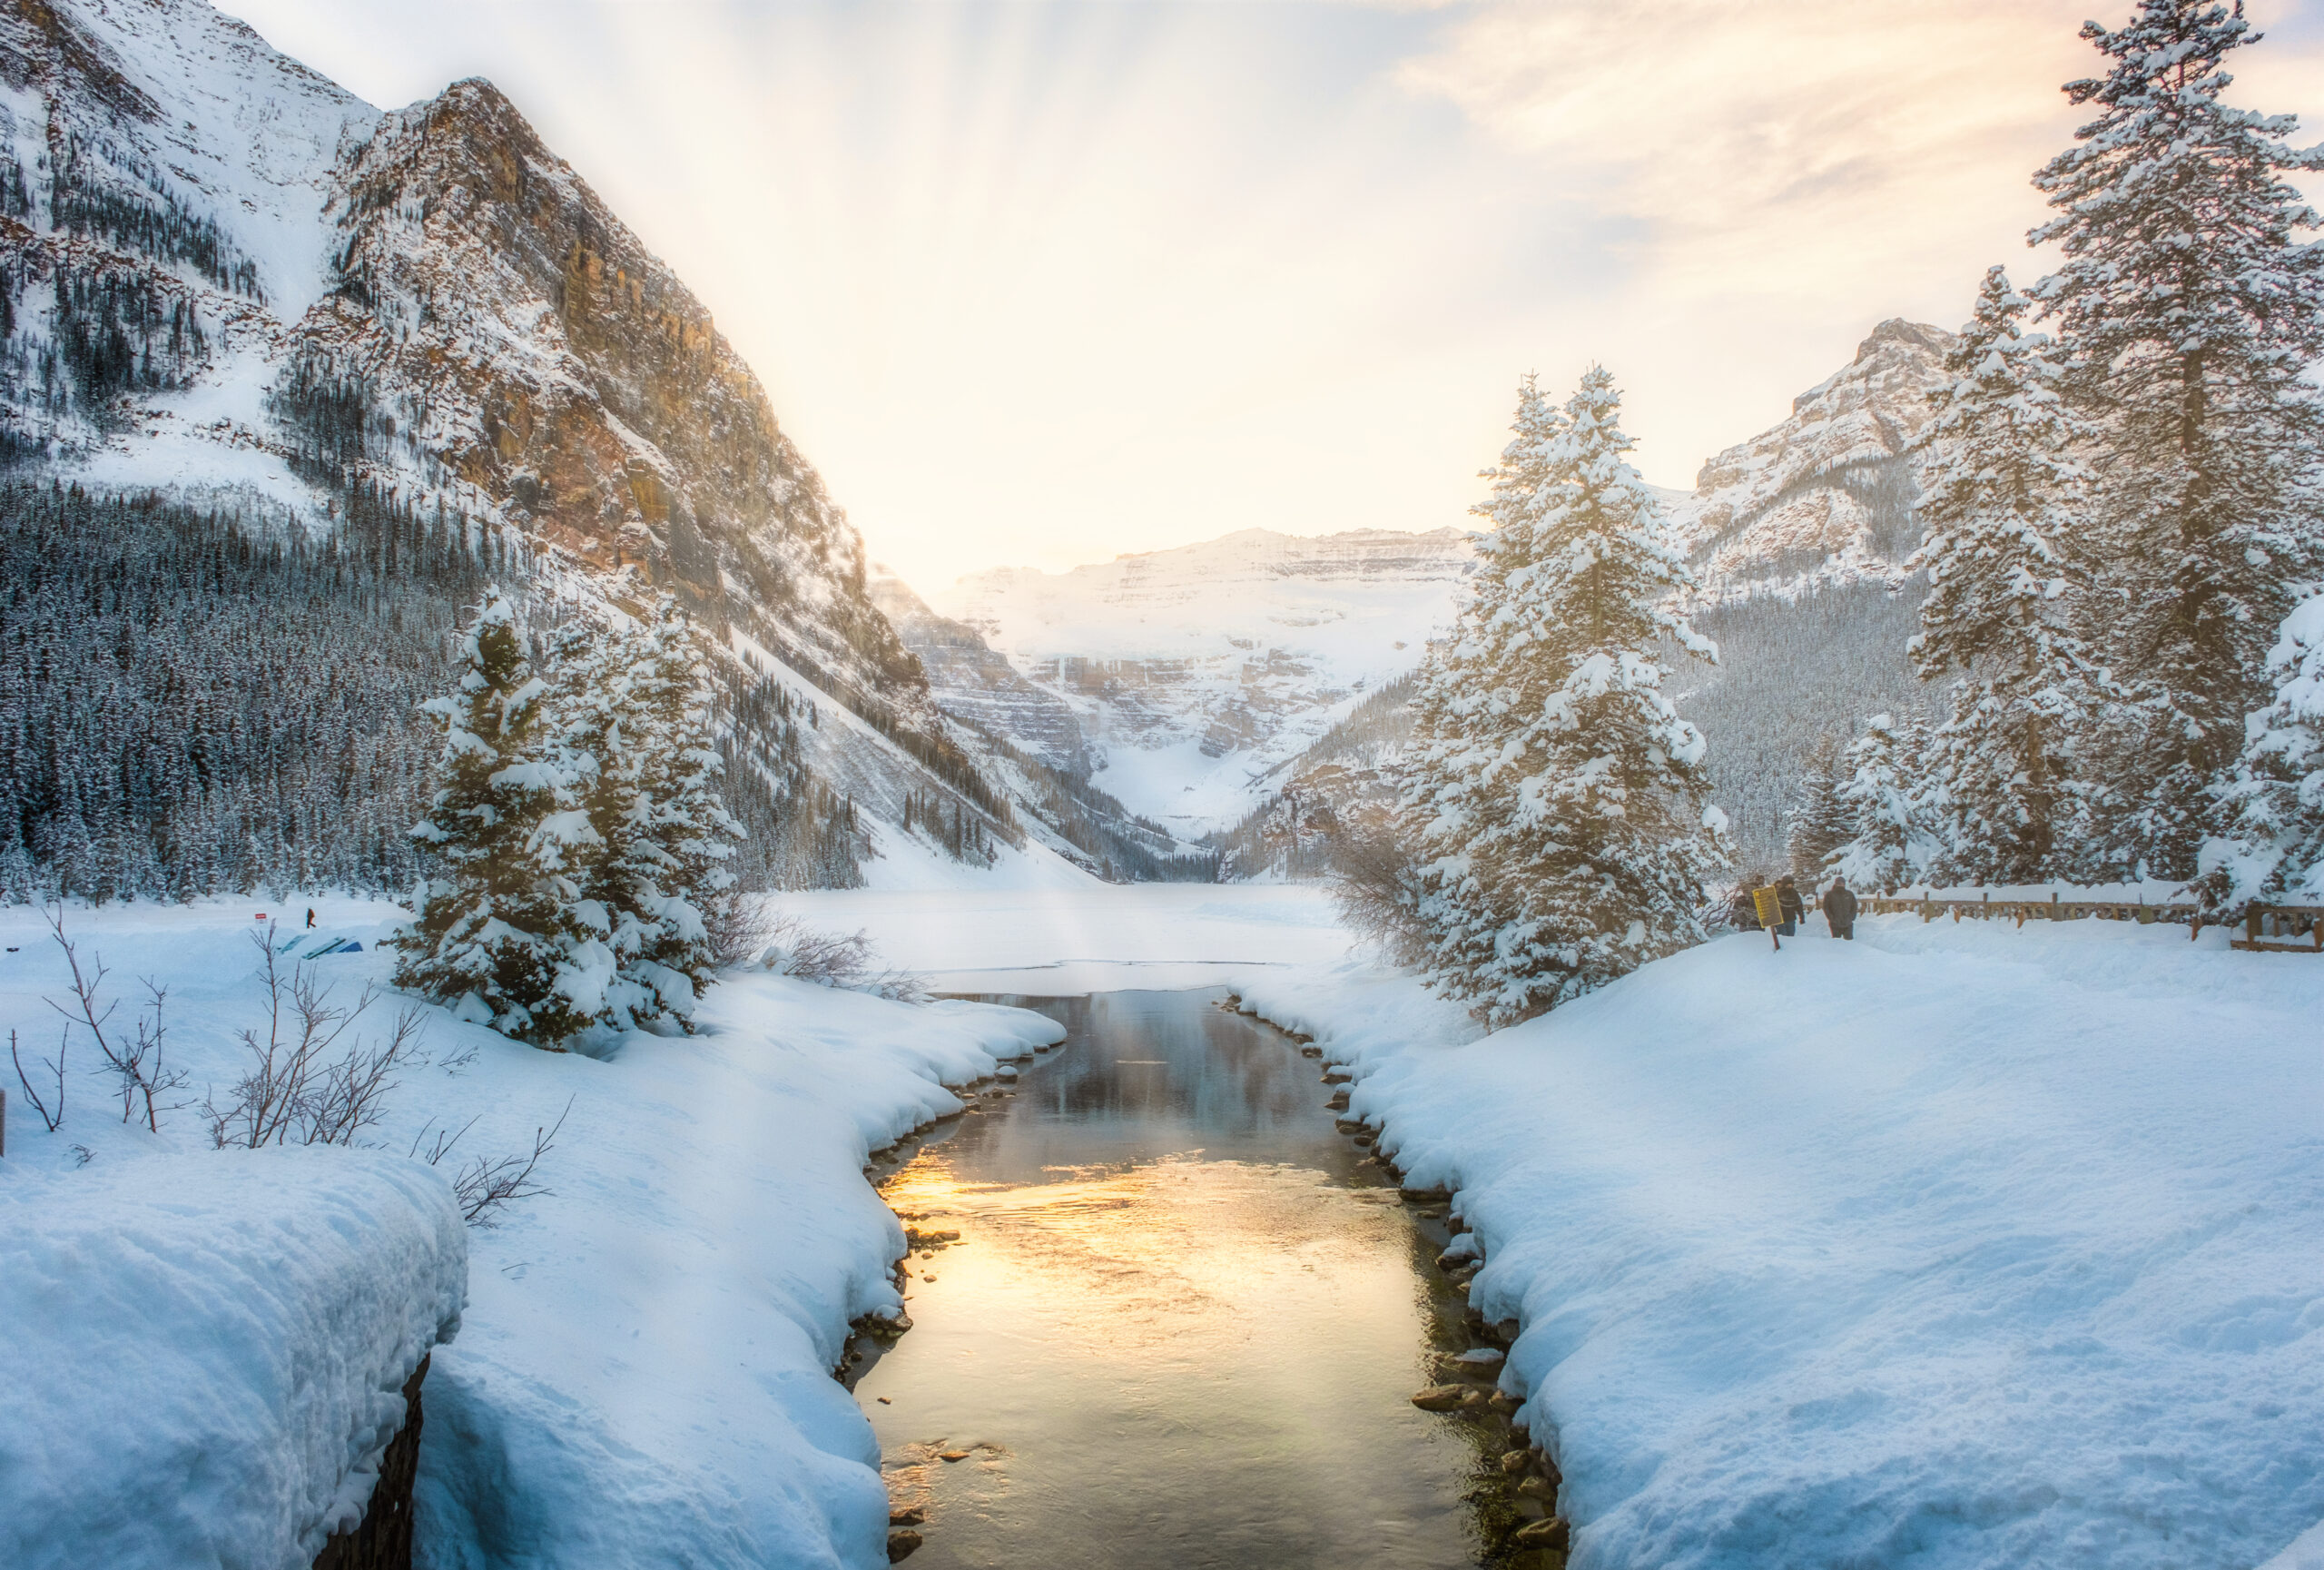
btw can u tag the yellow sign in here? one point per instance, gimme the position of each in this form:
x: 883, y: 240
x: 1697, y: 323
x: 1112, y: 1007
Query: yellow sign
x: 1769, y: 905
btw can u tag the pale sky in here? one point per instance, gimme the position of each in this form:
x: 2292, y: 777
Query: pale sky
x: 1038, y: 284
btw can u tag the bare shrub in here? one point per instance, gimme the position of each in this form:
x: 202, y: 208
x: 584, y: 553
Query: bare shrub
x: 1373, y: 886
x: 136, y: 1063
x: 487, y: 1184
x: 740, y: 925
x: 300, y: 1090
x: 845, y: 960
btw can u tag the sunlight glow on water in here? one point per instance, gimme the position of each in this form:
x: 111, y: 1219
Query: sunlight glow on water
x: 1182, y: 1323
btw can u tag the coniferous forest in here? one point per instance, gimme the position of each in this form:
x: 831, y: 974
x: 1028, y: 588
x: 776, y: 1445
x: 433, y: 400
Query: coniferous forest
x: 195, y: 701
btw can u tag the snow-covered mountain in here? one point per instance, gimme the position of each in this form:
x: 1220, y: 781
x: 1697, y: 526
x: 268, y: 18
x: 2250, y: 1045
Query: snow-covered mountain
x: 1799, y: 538
x: 1825, y: 496
x: 224, y: 278
x: 1196, y: 673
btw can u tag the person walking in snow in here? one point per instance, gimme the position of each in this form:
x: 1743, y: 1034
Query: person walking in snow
x: 1839, y: 910
x: 1788, y: 899
x: 310, y: 915
x: 1741, y: 914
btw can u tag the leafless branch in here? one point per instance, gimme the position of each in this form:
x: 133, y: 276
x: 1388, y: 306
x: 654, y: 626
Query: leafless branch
x: 297, y: 1091
x: 484, y: 1185
x: 136, y: 1064
x: 56, y: 1067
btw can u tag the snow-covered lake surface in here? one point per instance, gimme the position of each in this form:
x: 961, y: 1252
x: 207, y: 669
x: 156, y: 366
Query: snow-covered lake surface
x: 1956, y: 1246
x: 1089, y: 936
x: 1181, y: 1324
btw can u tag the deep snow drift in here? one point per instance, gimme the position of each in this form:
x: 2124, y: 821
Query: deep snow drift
x: 205, y: 1355
x: 1957, y: 1245
x: 643, y: 1375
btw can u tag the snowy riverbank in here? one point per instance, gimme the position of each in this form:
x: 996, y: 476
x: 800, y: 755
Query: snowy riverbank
x: 643, y: 1375
x: 1956, y: 1246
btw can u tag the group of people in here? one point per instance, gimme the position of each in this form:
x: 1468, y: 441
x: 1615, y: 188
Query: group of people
x: 1837, y: 904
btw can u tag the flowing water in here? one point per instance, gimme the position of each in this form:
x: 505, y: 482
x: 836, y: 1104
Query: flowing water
x: 1182, y: 1323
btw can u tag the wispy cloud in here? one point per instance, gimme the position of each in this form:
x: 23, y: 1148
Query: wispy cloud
x: 1782, y: 146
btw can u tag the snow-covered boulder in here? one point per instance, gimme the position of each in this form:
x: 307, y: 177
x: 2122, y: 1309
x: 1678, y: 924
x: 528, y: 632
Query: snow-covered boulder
x: 203, y: 1357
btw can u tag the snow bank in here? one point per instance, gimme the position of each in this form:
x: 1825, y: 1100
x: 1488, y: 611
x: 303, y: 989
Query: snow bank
x: 1960, y: 1246
x: 643, y: 1378
x: 204, y: 1355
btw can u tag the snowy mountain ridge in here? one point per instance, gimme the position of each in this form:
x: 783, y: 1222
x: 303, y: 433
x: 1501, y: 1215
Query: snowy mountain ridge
x: 1194, y: 673
x: 226, y: 279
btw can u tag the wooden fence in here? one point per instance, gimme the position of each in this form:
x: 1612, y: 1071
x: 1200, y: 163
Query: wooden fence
x: 2283, y: 929
x: 2273, y: 929
x: 2052, y: 909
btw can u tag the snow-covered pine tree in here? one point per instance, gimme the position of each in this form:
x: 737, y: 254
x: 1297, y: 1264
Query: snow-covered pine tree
x: 1555, y: 795
x: 1885, y: 792
x: 495, y: 931
x: 1819, y: 822
x: 673, y: 853
x: 2189, y: 311
x: 1527, y: 463
x: 2273, y: 850
x: 1998, y: 513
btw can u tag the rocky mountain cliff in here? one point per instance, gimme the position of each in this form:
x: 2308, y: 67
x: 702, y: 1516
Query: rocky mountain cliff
x: 1195, y: 673
x: 226, y: 279
x: 1825, y: 496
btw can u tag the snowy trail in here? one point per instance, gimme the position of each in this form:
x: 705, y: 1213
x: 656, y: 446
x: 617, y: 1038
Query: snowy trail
x: 642, y: 1377
x: 1957, y: 1245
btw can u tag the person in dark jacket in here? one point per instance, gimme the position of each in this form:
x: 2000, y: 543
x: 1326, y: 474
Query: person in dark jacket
x: 1788, y: 901
x: 1741, y: 914
x: 1839, y: 909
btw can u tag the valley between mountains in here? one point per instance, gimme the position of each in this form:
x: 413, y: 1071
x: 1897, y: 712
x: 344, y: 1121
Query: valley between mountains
x: 563, y: 1015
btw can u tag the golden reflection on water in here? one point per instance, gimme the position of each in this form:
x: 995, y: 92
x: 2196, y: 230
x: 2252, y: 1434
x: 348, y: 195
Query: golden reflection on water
x: 1176, y: 1249
x: 1181, y: 1326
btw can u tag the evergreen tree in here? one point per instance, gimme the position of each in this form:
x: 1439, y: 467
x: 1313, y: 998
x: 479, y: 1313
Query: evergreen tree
x: 496, y: 930
x: 1555, y: 795
x: 1997, y: 513
x: 2189, y: 312
x: 1819, y: 822
x: 675, y: 852
x: 1520, y: 480
x: 1886, y: 795
x: 2274, y: 848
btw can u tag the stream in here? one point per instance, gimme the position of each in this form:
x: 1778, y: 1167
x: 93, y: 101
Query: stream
x: 1182, y: 1323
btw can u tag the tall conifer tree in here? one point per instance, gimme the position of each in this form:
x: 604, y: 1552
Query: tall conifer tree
x: 1555, y: 795
x: 1998, y: 512
x: 1819, y: 822
x: 2189, y: 310
x: 495, y: 931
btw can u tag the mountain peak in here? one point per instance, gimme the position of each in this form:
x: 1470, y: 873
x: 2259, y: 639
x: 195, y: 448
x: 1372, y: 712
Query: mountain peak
x: 1827, y: 494
x: 1910, y: 335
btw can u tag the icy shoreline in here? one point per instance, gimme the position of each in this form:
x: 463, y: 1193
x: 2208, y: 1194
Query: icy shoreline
x: 1974, y: 1248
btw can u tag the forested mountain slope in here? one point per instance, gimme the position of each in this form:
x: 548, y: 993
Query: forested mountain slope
x: 227, y: 280
x: 1799, y: 538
